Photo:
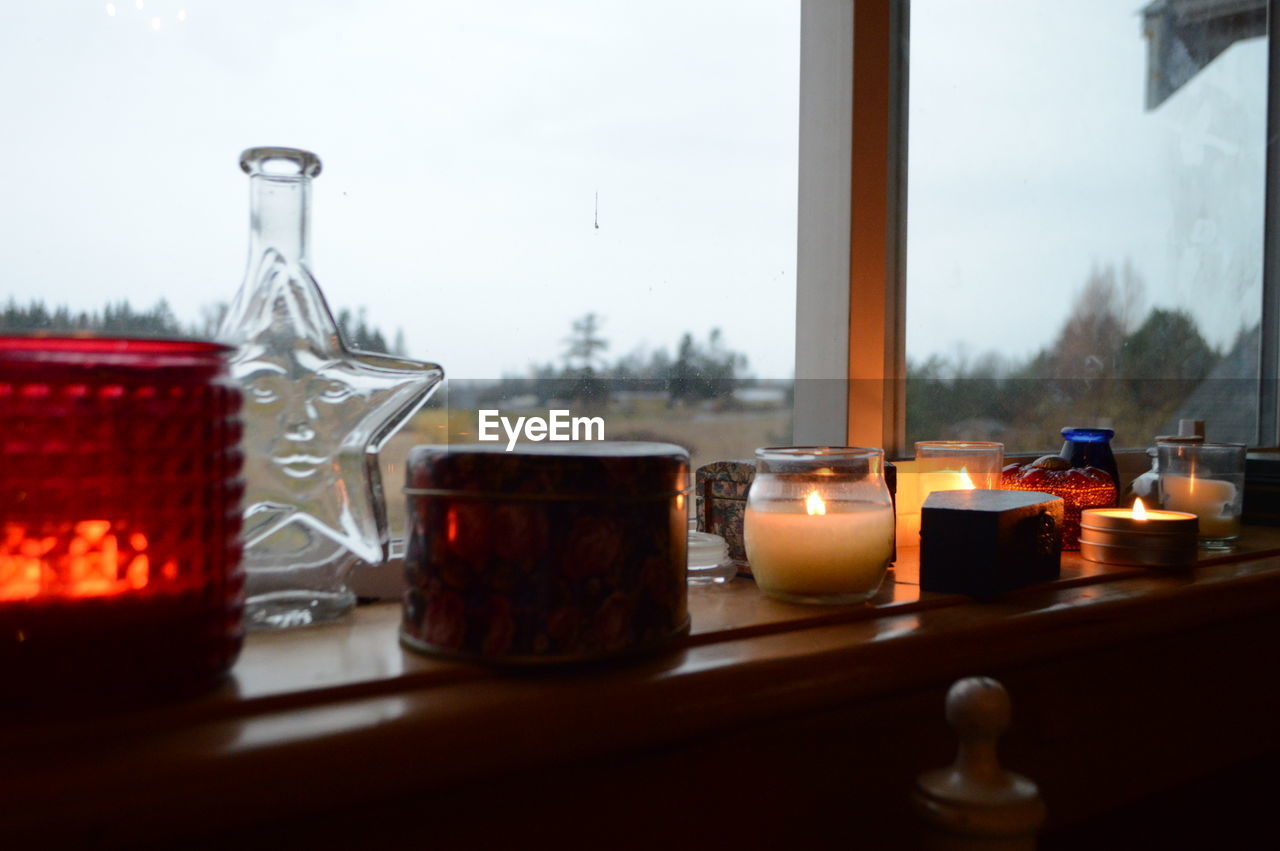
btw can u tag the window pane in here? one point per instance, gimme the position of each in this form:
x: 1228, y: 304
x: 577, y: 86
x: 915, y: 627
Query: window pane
x: 1085, y: 218
x: 493, y: 173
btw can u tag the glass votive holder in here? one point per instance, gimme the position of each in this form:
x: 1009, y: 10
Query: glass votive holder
x: 948, y: 465
x: 120, y: 496
x: 819, y: 523
x: 1207, y: 480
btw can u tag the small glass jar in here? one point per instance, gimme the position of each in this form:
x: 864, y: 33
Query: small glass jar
x: 819, y: 523
x: 958, y: 465
x: 709, y: 562
x: 1207, y: 480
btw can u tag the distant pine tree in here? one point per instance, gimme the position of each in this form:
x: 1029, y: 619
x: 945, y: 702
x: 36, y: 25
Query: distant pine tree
x: 118, y: 318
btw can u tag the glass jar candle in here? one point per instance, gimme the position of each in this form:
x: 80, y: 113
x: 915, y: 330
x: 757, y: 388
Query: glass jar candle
x: 947, y: 465
x: 119, y: 517
x: 819, y: 523
x: 1207, y: 480
x: 942, y: 465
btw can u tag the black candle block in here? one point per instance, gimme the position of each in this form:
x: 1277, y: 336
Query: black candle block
x: 985, y: 542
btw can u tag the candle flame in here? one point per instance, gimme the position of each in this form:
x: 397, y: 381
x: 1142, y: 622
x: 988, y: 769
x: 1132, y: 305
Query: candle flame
x: 88, y: 558
x: 814, y: 504
x: 966, y: 483
x: 1139, y: 510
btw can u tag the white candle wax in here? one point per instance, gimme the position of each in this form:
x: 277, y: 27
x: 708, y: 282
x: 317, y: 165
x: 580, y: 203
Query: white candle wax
x: 842, y: 552
x: 914, y: 488
x: 943, y: 480
x: 1212, y: 500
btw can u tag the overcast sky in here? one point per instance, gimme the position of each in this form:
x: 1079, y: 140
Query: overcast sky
x: 464, y: 144
x: 1033, y: 160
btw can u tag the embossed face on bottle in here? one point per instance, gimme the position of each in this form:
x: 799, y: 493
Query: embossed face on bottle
x: 303, y: 412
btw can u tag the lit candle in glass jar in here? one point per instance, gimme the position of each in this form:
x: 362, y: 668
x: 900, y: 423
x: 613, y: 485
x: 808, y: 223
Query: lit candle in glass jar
x: 942, y: 465
x: 1207, y: 480
x: 119, y: 517
x: 819, y: 523
x: 799, y: 551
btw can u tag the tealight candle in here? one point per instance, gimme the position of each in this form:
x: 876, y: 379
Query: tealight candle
x: 1138, y: 536
x: 819, y: 523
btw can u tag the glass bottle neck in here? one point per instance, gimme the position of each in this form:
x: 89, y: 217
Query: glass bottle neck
x: 279, y: 216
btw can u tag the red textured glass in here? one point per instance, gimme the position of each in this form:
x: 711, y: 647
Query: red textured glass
x: 119, y: 517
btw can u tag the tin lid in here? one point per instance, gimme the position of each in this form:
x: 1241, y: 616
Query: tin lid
x: 1162, y: 523
x: 596, y: 468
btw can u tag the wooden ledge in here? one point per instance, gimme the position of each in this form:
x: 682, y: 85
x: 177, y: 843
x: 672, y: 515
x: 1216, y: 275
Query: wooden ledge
x: 344, y: 713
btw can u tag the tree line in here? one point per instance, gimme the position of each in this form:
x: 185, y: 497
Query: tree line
x: 1109, y: 364
x: 123, y: 319
x: 696, y: 371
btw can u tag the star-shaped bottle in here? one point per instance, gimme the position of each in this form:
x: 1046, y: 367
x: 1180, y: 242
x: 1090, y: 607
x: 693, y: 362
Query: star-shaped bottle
x: 316, y: 412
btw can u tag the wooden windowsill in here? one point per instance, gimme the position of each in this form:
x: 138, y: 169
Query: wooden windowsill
x: 343, y: 716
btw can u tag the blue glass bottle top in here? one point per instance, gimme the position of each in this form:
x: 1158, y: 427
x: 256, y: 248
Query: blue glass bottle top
x: 1088, y: 435
x: 1090, y: 447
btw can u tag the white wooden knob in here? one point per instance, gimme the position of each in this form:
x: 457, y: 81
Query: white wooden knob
x: 974, y: 803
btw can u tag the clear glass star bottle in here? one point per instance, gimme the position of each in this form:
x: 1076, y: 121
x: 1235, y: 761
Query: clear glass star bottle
x: 316, y: 412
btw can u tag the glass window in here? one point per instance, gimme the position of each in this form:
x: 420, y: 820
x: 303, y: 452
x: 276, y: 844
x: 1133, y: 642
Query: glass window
x: 1085, y: 218
x: 539, y: 196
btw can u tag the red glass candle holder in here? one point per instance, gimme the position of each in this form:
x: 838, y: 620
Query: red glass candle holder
x: 119, y: 517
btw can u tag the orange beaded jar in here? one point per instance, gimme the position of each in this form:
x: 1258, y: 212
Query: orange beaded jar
x: 1079, y: 487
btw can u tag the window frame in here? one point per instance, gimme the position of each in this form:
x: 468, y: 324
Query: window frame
x: 1269, y: 344
x: 851, y: 228
x: 850, y: 290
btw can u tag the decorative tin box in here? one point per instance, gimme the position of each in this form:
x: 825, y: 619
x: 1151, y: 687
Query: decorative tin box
x: 550, y: 553
x: 721, y: 503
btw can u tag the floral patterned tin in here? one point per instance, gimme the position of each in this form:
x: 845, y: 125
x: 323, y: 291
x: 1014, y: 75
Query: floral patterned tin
x: 550, y: 553
x: 721, y: 502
